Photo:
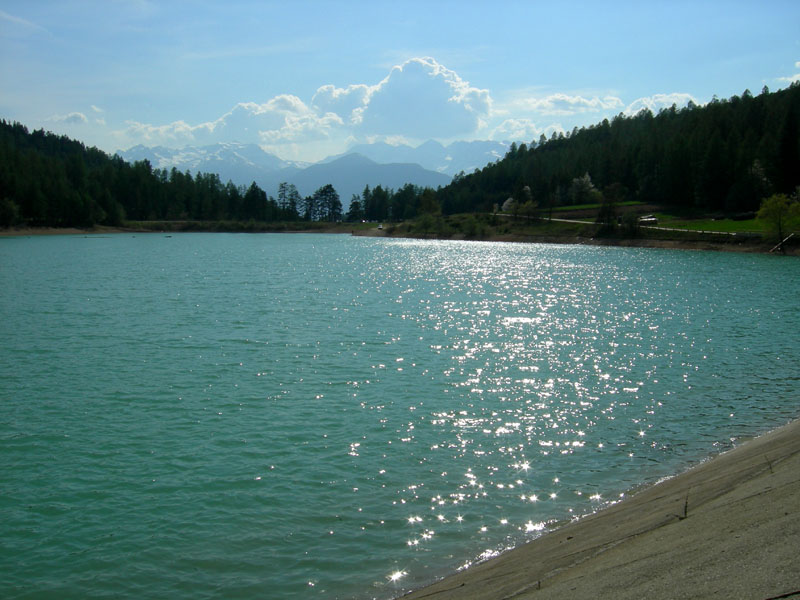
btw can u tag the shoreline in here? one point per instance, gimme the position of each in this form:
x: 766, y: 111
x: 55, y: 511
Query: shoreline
x: 725, y: 528
x: 674, y: 244
x: 40, y: 231
x: 732, y: 245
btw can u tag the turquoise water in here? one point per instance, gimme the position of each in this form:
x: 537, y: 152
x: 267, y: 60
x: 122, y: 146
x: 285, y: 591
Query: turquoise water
x: 301, y: 416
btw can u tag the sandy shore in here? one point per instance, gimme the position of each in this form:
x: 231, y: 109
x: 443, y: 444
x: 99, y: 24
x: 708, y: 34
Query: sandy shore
x: 728, y: 528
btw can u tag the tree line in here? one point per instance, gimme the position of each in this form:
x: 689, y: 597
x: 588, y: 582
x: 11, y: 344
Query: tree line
x: 725, y: 156
x: 386, y: 204
x: 51, y: 180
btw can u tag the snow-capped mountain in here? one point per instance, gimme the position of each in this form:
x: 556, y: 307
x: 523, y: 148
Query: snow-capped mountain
x: 350, y: 173
x: 240, y: 163
x: 450, y: 159
x: 430, y: 164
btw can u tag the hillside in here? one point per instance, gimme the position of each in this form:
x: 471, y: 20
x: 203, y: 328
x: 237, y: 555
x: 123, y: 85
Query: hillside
x: 725, y: 156
x: 240, y: 163
x: 244, y: 164
x: 352, y: 172
x: 48, y: 180
x: 433, y: 156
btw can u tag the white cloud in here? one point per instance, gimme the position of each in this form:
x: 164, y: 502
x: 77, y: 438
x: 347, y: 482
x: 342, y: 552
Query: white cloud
x: 658, y: 101
x: 73, y: 118
x: 341, y: 101
x: 247, y: 120
x: 284, y: 118
x: 419, y: 99
x: 302, y: 128
x: 178, y: 133
x: 97, y: 109
x: 21, y: 23
x: 423, y: 99
x: 515, y: 130
x: 791, y: 78
x: 564, y: 104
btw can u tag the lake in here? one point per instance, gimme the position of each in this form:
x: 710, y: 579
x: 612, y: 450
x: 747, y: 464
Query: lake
x: 318, y: 416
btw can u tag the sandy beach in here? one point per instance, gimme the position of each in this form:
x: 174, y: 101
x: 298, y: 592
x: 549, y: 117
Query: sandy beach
x: 728, y: 528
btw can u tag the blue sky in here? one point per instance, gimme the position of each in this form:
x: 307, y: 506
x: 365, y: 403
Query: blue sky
x: 306, y: 79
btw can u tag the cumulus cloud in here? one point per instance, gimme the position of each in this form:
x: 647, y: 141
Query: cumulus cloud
x: 576, y: 111
x: 515, y: 130
x: 423, y: 99
x: 420, y: 99
x: 247, y: 120
x: 178, y: 133
x: 73, y: 118
x: 283, y: 118
x: 791, y: 78
x: 564, y: 104
x: 304, y: 128
x: 658, y: 101
x: 341, y: 101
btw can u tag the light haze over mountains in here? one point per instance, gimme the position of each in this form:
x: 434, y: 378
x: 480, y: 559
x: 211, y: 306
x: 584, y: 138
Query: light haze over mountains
x: 221, y: 86
x: 428, y: 165
x: 307, y: 80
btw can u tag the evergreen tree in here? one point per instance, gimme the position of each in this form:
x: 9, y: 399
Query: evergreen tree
x: 254, y: 203
x: 327, y: 206
x: 293, y: 197
x: 283, y: 198
x: 703, y: 156
x: 356, y: 212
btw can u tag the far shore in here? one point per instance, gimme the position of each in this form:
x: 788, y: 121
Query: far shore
x: 728, y: 528
x: 99, y: 230
x: 347, y: 228
x: 757, y: 247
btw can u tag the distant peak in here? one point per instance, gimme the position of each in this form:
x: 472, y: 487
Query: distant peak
x: 354, y: 157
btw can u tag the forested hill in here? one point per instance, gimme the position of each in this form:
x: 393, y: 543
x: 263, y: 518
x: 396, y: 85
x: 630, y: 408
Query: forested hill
x: 725, y: 156
x: 51, y: 180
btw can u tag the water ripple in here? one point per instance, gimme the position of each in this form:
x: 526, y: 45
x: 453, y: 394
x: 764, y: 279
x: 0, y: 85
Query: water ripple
x: 322, y: 416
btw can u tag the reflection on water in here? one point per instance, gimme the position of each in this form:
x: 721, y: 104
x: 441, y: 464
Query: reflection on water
x: 327, y: 416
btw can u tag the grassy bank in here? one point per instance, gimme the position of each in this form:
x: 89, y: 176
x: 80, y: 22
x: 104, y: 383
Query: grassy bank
x: 248, y: 226
x: 583, y: 231
x: 569, y: 225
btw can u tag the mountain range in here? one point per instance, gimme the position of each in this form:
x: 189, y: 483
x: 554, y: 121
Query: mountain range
x: 430, y: 164
x: 450, y: 159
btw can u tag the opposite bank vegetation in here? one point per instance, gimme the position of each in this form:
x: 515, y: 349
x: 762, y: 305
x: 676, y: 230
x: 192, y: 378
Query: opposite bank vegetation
x: 710, y: 168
